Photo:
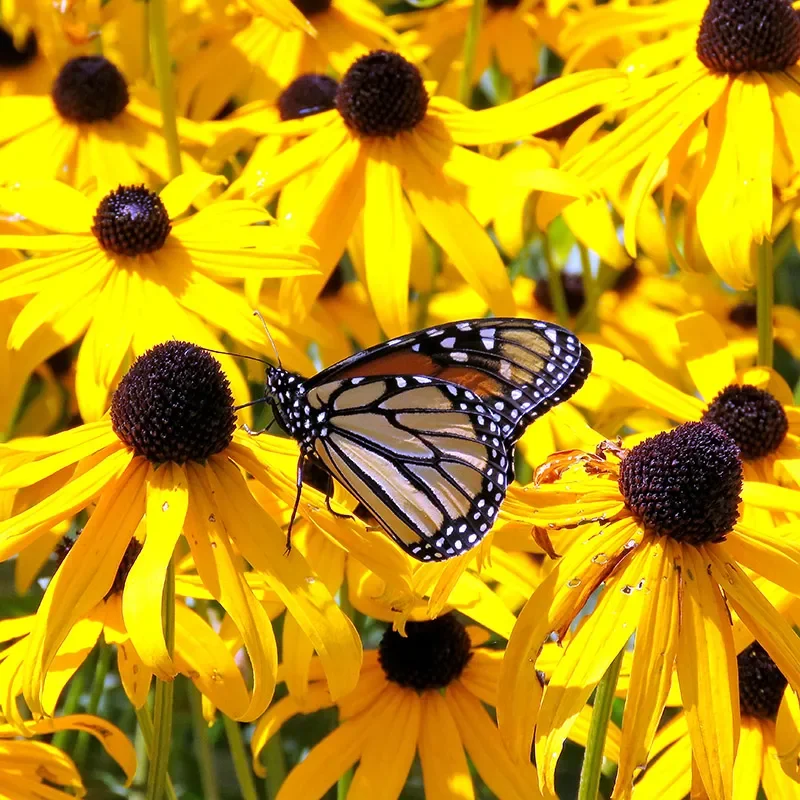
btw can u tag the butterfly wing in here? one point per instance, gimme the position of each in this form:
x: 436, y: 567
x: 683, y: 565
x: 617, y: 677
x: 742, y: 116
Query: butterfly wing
x: 425, y: 456
x: 521, y: 367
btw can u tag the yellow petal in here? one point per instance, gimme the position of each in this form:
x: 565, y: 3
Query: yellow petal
x: 773, y: 779
x: 445, y: 772
x: 179, y: 194
x: 217, y: 566
x: 387, y: 755
x: 167, y: 501
x: 749, y: 758
x: 115, y: 743
x: 773, y: 632
x: 52, y: 204
x: 387, y: 240
x: 484, y: 745
x: 444, y: 216
x: 15, y: 533
x: 74, y: 589
x: 602, y: 636
x: 706, y: 353
x: 707, y: 673
x: 773, y: 553
x: 551, y: 607
x: 767, y: 495
x: 653, y: 662
x: 201, y: 654
x: 787, y: 734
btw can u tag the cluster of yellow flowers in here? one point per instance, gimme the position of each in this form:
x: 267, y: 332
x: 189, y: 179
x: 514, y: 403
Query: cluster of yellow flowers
x: 353, y: 171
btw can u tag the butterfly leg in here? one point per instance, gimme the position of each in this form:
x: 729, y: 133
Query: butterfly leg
x: 300, y: 462
x: 328, y: 495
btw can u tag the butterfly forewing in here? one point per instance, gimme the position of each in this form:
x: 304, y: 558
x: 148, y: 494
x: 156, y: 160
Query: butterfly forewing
x: 425, y: 456
x: 526, y: 366
x: 422, y: 429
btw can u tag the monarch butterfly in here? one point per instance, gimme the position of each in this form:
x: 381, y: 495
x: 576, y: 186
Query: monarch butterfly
x: 422, y: 428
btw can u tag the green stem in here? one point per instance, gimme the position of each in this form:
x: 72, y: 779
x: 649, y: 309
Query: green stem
x: 595, y: 744
x: 241, y: 763
x: 165, y: 690
x: 162, y: 70
x: 71, y: 701
x: 343, y: 785
x: 470, y: 49
x: 275, y: 762
x: 148, y: 734
x: 765, y: 300
x: 203, y: 752
x: 557, y: 295
x: 98, y: 684
x: 590, y: 289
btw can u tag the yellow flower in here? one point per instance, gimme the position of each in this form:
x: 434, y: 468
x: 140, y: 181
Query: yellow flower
x: 169, y: 455
x: 424, y: 694
x: 124, y: 269
x: 88, y: 127
x: 755, y: 406
x: 763, y: 696
x: 724, y: 116
x: 35, y: 769
x: 659, y: 527
x: 200, y: 653
x: 392, y: 152
x: 259, y: 58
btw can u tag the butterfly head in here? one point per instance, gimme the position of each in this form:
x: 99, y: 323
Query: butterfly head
x: 285, y: 391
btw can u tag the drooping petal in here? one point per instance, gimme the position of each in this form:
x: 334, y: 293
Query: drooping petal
x: 134, y: 674
x: 217, y: 566
x: 52, y: 204
x: 75, y: 589
x: 707, y: 673
x: 553, y: 606
x: 772, y: 553
x: 787, y: 734
x: 776, y: 784
x: 773, y: 632
x: 749, y: 759
x: 179, y: 194
x: 602, y: 636
x: 653, y: 662
x: 167, y: 501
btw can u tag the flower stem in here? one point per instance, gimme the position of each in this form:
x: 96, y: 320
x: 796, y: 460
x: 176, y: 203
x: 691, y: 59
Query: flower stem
x: 590, y: 289
x: 162, y: 69
x: 470, y: 49
x: 202, y: 747
x: 601, y: 713
x: 165, y: 690
x: 148, y: 734
x: 765, y: 299
x: 557, y: 295
x: 343, y: 785
x: 98, y: 684
x: 247, y: 785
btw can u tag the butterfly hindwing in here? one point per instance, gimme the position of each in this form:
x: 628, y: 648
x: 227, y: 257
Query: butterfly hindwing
x: 425, y: 456
x: 522, y: 367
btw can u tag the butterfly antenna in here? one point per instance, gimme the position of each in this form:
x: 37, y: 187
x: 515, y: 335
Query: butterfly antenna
x: 235, y: 355
x: 258, y: 314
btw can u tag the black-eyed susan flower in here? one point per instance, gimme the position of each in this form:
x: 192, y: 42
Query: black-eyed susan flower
x: 722, y: 118
x: 165, y: 464
x: 390, y: 151
x: 764, y: 697
x: 35, y: 769
x: 124, y: 270
x: 754, y: 406
x: 253, y: 57
x: 89, y: 127
x: 659, y: 527
x: 419, y: 694
x: 200, y: 653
